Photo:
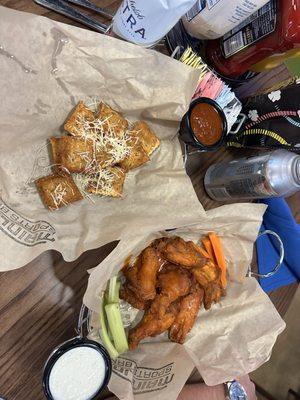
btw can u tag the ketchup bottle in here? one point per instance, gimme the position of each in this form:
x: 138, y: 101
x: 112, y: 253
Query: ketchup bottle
x: 273, y: 29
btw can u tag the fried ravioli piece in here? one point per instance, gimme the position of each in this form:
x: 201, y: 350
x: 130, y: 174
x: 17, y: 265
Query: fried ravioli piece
x: 128, y: 295
x: 104, y: 159
x: 150, y: 325
x: 57, y: 191
x: 74, y: 124
x: 136, y: 158
x: 112, y: 119
x: 55, y: 150
x: 188, y: 310
x: 145, y: 136
x: 77, y: 155
x: 107, y: 182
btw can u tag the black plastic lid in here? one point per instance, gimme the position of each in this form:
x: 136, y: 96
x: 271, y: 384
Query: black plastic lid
x: 186, y: 133
x: 69, y: 345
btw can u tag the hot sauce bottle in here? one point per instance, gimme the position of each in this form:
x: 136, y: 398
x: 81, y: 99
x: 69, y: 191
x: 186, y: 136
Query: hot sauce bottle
x: 273, y: 29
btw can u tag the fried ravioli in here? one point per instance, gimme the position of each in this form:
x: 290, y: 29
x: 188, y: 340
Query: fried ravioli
x: 75, y: 123
x: 57, y: 191
x: 76, y: 155
x: 107, y: 182
x: 137, y: 157
x: 112, y: 120
x: 145, y: 136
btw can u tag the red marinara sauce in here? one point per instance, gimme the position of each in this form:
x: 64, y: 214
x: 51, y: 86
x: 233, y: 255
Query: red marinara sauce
x: 206, y: 124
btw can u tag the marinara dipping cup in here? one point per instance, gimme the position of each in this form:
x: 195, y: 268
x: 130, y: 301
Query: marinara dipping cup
x: 204, y: 126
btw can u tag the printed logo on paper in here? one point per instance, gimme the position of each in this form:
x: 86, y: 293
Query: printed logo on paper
x: 22, y: 230
x: 143, y: 380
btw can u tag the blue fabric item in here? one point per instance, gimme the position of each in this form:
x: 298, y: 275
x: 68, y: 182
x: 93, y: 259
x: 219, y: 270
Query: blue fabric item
x: 279, y: 219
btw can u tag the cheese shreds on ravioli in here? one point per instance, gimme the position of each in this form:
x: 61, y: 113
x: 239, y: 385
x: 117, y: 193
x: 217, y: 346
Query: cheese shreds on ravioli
x: 75, y: 155
x: 94, y: 156
x: 107, y: 182
x: 136, y: 158
x: 75, y: 123
x: 57, y: 191
x: 145, y: 136
x: 112, y: 120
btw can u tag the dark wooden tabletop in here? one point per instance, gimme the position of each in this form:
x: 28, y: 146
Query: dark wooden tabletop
x: 39, y: 303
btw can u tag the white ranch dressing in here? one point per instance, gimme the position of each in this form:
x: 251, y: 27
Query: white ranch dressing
x: 78, y: 374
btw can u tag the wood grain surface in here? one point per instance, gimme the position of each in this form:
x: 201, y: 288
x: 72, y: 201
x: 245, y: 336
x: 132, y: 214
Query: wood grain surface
x: 39, y: 303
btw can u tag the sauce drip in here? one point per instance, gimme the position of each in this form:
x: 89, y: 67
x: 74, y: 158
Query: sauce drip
x: 206, y: 124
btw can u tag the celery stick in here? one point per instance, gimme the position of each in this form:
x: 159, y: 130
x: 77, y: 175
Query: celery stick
x: 105, y: 301
x: 105, y: 337
x: 117, y: 298
x: 112, y: 289
x: 116, y: 327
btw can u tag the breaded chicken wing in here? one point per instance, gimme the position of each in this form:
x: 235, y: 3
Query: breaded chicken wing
x: 147, y: 273
x: 142, y: 276
x: 170, y: 279
x: 173, y: 282
x: 185, y: 319
x: 209, y: 278
x: 128, y: 295
x: 180, y: 252
x: 160, y: 244
x: 150, y: 325
x: 213, y: 293
x: 206, y: 274
x: 130, y: 273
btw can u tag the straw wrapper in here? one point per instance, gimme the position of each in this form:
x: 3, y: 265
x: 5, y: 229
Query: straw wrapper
x: 46, y: 68
x: 233, y: 338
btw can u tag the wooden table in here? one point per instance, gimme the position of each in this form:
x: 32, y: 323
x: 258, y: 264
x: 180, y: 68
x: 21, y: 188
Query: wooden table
x: 39, y: 304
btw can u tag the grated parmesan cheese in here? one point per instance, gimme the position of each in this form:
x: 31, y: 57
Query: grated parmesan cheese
x: 105, y: 140
x: 59, y: 193
x: 82, y: 182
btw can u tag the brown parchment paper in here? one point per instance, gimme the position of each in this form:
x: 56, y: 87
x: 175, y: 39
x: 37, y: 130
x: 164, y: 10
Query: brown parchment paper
x: 233, y: 338
x: 45, y: 68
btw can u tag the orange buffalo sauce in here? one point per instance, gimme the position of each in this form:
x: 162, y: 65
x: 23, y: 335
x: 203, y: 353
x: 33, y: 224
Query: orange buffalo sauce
x: 206, y: 123
x: 126, y: 263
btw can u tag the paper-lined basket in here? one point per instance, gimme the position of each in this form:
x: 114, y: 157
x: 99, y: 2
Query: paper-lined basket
x: 233, y: 338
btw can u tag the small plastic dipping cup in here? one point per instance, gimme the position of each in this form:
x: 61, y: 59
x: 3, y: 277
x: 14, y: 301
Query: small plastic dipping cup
x: 204, y: 126
x: 79, y: 369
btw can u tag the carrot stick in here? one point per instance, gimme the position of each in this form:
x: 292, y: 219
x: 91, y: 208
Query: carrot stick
x: 201, y: 250
x: 219, y: 255
x: 208, y: 247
